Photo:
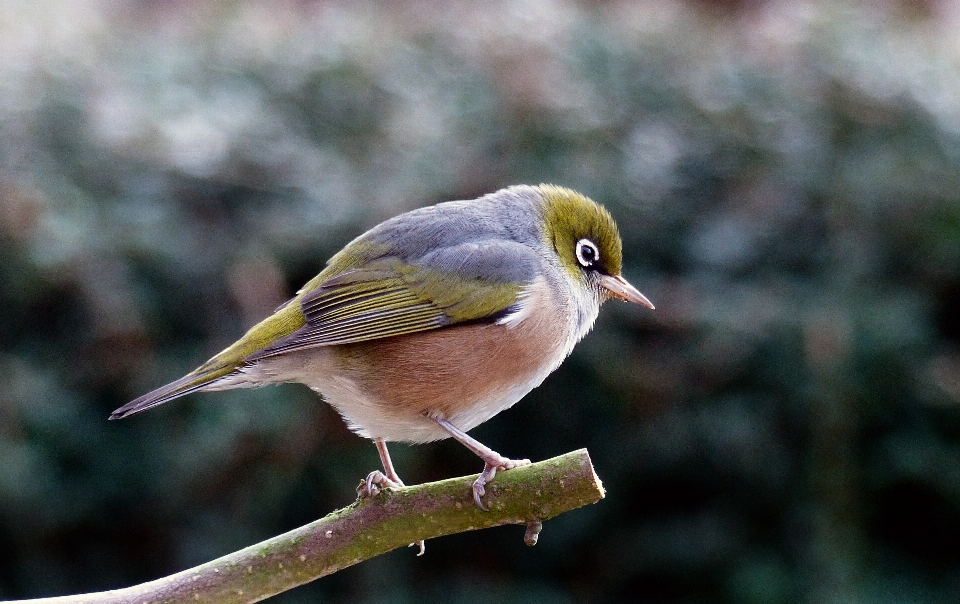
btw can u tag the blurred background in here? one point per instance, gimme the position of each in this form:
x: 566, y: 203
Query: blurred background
x: 785, y: 427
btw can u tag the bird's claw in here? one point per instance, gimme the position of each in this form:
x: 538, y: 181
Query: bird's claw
x: 378, y: 479
x: 489, y: 471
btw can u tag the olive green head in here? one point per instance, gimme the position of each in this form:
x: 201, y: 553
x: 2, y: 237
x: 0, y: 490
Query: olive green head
x: 586, y: 240
x: 581, y: 231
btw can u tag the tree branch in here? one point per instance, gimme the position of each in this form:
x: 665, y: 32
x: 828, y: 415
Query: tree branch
x: 367, y: 528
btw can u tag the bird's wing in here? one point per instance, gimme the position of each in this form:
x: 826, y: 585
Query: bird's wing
x: 366, y: 299
x: 389, y: 296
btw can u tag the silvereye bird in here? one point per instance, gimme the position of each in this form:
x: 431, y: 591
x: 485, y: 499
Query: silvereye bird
x: 434, y: 321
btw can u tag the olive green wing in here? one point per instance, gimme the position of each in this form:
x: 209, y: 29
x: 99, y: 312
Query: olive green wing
x: 388, y: 296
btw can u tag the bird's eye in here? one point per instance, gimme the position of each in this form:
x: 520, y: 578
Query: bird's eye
x: 587, y: 253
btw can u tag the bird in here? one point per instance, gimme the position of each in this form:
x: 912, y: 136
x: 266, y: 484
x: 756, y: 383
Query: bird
x: 434, y: 321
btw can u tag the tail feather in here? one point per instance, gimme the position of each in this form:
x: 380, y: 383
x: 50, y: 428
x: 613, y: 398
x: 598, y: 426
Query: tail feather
x: 192, y: 382
x: 228, y: 362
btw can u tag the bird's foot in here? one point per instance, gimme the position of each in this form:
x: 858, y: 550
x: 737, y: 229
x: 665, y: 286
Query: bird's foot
x: 390, y: 479
x: 373, y: 484
x: 491, y: 465
x: 492, y: 461
x: 379, y: 480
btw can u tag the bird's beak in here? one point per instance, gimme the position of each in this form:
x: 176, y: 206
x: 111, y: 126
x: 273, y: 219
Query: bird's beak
x: 619, y: 288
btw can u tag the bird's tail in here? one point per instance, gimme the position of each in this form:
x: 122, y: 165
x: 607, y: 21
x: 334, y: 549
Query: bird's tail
x: 224, y: 370
x: 198, y: 379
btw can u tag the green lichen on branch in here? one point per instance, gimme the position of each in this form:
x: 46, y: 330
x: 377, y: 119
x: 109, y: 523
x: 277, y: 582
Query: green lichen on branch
x: 527, y: 495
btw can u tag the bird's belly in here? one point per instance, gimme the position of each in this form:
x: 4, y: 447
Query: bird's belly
x: 466, y: 374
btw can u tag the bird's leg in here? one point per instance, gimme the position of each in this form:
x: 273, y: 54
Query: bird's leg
x: 390, y: 479
x: 492, y: 460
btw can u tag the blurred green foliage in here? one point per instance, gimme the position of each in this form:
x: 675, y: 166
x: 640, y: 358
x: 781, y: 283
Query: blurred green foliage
x: 784, y: 428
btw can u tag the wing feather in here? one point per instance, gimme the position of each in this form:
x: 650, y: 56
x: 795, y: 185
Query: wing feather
x: 388, y: 297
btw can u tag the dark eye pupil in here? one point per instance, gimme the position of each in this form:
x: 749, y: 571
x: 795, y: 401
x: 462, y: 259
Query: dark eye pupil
x: 588, y: 254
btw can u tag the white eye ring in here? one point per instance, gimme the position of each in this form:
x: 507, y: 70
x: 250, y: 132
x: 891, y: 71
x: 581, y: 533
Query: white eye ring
x: 587, y: 253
